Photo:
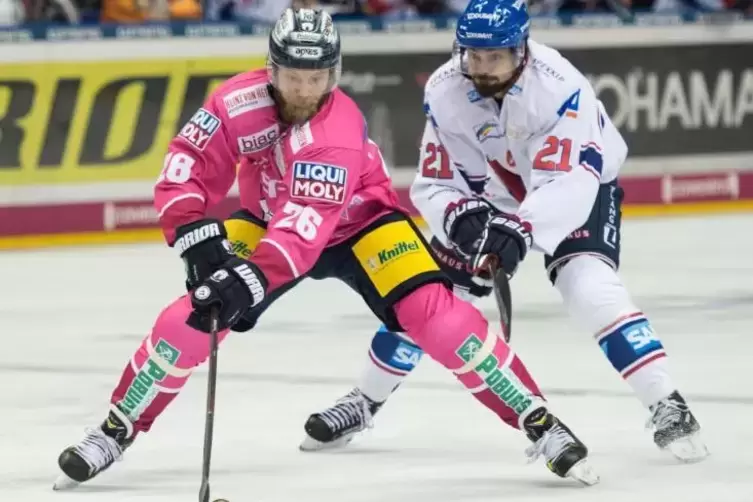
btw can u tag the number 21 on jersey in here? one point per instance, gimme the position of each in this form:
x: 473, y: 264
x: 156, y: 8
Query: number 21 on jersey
x: 435, y: 163
x: 554, y: 155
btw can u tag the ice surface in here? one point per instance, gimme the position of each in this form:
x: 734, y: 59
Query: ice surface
x: 71, y: 318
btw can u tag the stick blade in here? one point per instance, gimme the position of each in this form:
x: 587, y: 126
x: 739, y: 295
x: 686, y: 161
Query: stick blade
x: 489, y: 269
x: 204, y: 491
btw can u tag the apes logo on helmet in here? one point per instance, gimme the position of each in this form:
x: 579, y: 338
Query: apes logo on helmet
x: 323, y: 182
x: 299, y: 51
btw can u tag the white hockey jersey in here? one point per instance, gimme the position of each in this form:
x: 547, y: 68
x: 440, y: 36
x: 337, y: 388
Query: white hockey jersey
x: 542, y: 155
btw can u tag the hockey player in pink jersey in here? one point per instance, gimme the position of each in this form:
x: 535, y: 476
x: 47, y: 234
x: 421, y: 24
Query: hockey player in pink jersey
x: 316, y: 203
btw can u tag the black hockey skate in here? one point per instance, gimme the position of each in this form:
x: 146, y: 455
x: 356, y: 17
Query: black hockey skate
x: 337, y: 426
x: 99, y: 449
x: 676, y: 429
x: 565, y: 454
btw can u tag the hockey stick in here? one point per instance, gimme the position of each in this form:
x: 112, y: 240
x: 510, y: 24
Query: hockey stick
x: 502, y: 295
x: 211, y: 391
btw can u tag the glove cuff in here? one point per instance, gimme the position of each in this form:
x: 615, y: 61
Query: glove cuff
x: 197, y: 232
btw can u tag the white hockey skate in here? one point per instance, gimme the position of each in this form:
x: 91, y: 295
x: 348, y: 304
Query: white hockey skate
x: 677, y: 430
x: 100, y: 448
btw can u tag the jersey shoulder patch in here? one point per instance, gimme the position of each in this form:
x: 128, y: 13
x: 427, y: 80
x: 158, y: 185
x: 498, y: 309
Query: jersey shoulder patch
x: 446, y: 91
x: 551, y: 89
x: 445, y: 73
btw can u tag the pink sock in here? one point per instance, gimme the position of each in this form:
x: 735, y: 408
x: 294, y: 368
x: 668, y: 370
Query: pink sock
x: 161, y: 365
x: 456, y: 335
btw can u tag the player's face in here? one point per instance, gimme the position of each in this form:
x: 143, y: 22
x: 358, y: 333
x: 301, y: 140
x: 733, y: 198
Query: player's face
x: 301, y: 92
x: 490, y: 69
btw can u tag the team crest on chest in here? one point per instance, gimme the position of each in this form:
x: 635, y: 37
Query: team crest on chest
x: 487, y: 130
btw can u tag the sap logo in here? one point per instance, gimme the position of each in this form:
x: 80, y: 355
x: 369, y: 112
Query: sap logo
x: 259, y: 141
x: 640, y: 336
x: 319, y: 181
x: 474, y: 96
x: 200, y: 129
x: 406, y: 355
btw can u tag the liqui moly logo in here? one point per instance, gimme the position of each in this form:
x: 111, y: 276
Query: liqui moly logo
x: 325, y: 182
x: 200, y: 129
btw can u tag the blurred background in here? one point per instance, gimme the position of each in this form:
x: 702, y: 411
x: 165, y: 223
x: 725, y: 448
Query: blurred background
x: 92, y: 91
x: 267, y: 11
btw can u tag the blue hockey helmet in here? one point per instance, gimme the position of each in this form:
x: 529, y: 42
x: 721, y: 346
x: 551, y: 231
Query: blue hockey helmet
x: 488, y: 25
x: 493, y: 24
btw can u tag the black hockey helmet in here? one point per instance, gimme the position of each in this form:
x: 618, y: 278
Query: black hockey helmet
x: 305, y: 39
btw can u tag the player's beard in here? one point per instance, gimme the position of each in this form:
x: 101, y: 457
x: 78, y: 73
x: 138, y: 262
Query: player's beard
x: 300, y: 110
x: 488, y: 86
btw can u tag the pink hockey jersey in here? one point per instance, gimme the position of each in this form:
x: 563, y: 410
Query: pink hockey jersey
x: 315, y: 185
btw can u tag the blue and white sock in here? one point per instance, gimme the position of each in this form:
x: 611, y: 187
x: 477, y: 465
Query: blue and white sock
x: 391, y: 358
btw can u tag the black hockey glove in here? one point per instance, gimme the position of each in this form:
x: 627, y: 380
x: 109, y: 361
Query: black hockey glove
x: 464, y: 222
x: 459, y: 271
x: 232, y: 290
x: 505, y: 237
x: 204, y: 248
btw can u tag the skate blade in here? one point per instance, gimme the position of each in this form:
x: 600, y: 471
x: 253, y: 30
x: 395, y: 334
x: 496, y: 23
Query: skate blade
x: 63, y: 482
x: 310, y: 444
x: 583, y: 473
x: 690, y: 449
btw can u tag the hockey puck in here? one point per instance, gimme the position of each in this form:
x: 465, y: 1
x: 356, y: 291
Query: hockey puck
x: 220, y: 500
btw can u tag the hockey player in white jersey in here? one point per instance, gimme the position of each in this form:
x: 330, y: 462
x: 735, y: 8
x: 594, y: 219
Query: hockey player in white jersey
x: 518, y: 154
